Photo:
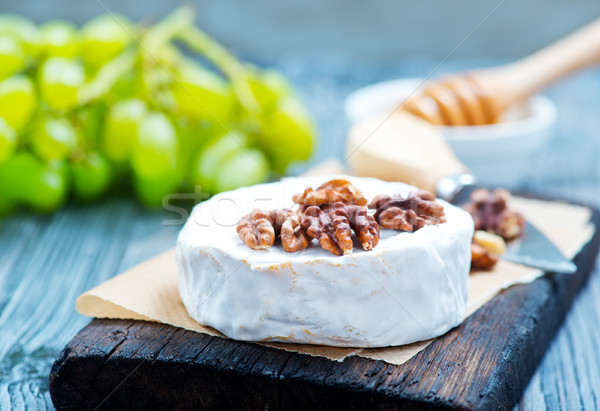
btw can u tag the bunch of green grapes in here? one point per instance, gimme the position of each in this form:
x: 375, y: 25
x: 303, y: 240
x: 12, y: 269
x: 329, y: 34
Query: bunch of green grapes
x: 114, y: 104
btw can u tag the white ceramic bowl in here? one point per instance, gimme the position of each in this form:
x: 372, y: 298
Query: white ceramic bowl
x: 498, y: 154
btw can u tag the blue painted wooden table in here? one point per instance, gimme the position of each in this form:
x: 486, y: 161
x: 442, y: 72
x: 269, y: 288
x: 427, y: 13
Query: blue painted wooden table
x: 46, y: 262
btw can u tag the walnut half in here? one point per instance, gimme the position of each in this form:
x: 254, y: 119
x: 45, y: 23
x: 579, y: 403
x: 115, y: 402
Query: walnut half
x: 333, y: 227
x: 330, y: 192
x: 257, y: 229
x: 485, y: 249
x: 491, y: 213
x: 364, y: 225
x: 330, y: 227
x: 481, y: 259
x: 408, y: 214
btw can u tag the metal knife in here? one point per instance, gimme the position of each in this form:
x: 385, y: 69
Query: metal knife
x: 532, y: 249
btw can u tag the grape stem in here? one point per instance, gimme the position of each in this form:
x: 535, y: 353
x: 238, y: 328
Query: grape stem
x: 200, y: 42
x: 180, y: 20
x: 156, y: 47
x: 107, y: 76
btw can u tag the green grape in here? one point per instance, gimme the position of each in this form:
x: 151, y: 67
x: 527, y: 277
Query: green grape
x: 12, y: 56
x: 91, y: 176
x: 204, y: 168
x: 8, y: 140
x: 155, y: 153
x: 121, y: 128
x: 288, y: 134
x: 59, y: 80
x: 268, y: 86
x: 152, y: 191
x: 17, y: 101
x: 127, y: 86
x: 242, y: 168
x: 24, y: 180
x: 50, y: 189
x: 203, y: 95
x: 90, y: 122
x: 22, y: 30
x: 58, y: 39
x: 64, y: 170
x: 53, y: 138
x: 104, y: 37
x: 194, y: 136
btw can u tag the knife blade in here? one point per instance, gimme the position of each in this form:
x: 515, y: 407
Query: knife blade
x: 532, y: 248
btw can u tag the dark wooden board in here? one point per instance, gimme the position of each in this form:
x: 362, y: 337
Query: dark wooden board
x: 483, y: 364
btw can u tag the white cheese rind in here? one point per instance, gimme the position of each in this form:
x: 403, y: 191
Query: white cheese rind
x: 411, y: 287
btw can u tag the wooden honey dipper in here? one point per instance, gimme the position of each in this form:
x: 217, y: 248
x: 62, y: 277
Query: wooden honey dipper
x: 480, y: 97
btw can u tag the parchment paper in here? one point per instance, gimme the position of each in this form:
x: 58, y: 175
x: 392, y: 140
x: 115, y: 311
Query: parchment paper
x: 150, y: 291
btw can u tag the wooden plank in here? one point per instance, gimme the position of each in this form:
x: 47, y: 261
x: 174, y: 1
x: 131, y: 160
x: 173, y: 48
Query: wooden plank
x: 569, y: 376
x: 483, y: 364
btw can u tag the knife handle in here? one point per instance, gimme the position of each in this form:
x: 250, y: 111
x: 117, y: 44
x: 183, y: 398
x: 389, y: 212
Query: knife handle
x: 519, y: 80
x: 402, y: 147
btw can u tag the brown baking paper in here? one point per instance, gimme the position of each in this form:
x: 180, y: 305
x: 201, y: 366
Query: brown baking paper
x: 150, y: 291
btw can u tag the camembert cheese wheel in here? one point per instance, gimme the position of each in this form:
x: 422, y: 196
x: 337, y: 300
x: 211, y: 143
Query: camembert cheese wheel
x: 411, y: 287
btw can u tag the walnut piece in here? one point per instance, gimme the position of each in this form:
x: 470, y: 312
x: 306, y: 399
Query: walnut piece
x: 408, y: 214
x: 260, y: 228
x: 329, y: 228
x: 328, y: 193
x: 333, y: 227
x: 485, y: 249
x: 364, y: 225
x: 256, y: 229
x: 481, y: 259
x: 490, y: 213
x: 293, y: 237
